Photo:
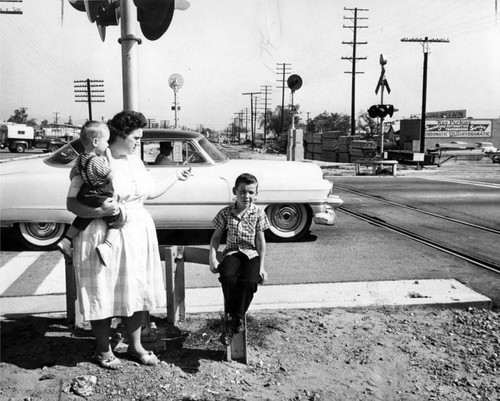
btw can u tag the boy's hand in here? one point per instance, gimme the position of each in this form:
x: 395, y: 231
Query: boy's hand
x: 263, y: 276
x: 107, y: 153
x: 183, y: 175
x: 213, y: 267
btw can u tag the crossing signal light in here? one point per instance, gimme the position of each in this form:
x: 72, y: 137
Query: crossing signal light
x: 154, y: 16
x: 102, y: 12
x: 381, y: 110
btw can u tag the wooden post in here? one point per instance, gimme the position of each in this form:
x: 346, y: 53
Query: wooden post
x: 170, y: 268
x: 237, y: 350
x: 71, y: 297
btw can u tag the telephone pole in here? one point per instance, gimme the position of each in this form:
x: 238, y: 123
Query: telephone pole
x: 88, y: 91
x: 353, y: 59
x: 251, y: 114
x: 285, y: 69
x: 425, y: 46
x: 266, y: 89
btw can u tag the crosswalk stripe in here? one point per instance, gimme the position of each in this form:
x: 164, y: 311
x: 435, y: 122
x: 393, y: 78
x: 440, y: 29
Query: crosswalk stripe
x: 11, y: 271
x: 55, y: 282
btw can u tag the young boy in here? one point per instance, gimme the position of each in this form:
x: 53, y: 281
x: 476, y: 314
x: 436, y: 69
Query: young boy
x: 242, y: 265
x: 95, y: 166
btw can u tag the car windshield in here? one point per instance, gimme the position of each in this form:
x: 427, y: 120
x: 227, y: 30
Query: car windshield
x: 212, y: 151
x: 66, y: 154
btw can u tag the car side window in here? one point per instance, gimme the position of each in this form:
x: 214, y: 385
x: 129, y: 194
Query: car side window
x: 173, y: 152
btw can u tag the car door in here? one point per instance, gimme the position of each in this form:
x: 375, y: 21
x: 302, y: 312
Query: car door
x: 188, y: 204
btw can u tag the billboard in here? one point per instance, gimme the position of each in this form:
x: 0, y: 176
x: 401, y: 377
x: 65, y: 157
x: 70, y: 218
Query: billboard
x: 456, y: 128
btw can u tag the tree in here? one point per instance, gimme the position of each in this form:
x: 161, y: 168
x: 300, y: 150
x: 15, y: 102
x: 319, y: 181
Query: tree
x: 21, y: 117
x: 331, y: 122
x: 274, y: 119
x: 367, y: 125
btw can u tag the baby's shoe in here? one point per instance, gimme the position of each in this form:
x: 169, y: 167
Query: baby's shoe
x: 65, y: 247
x: 105, y: 253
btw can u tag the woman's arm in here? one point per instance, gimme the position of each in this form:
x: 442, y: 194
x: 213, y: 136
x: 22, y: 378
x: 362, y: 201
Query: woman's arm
x: 164, y: 185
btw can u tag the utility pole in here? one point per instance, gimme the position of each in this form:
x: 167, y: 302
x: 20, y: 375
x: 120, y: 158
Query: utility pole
x: 425, y: 46
x: 285, y: 69
x: 353, y: 59
x: 88, y: 91
x: 56, y: 118
x: 251, y: 114
x: 267, y: 94
x: 246, y: 123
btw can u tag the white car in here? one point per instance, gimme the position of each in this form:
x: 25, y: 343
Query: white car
x: 293, y: 194
x: 487, y: 147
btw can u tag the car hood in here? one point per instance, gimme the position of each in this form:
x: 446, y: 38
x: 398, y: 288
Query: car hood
x: 272, y: 172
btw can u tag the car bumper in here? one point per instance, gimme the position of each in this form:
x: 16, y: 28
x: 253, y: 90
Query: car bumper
x: 324, y: 213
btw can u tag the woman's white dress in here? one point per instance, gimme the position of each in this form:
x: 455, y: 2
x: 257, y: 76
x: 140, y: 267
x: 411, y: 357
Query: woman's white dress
x: 134, y: 280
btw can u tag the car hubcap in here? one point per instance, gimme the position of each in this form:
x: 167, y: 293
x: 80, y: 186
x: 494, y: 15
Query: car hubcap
x: 286, y: 217
x: 42, y: 233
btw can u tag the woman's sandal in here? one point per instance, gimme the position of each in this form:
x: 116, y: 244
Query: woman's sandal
x: 148, y: 359
x: 112, y: 362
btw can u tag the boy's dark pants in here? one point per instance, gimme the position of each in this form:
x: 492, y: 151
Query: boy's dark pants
x: 239, y: 277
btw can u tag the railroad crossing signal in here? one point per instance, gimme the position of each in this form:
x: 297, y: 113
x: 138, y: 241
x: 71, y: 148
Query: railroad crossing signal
x: 154, y: 16
x: 381, y: 110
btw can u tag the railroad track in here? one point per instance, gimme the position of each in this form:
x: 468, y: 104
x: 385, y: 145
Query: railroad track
x: 431, y: 242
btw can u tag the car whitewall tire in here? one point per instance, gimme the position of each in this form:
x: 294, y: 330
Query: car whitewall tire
x: 40, y: 236
x: 289, y: 222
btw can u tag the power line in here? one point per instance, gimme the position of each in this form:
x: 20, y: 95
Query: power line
x: 88, y: 91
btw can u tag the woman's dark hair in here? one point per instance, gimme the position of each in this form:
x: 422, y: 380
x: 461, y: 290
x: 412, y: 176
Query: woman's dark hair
x: 123, y: 123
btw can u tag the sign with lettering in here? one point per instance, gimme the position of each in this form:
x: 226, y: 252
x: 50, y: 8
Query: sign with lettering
x: 446, y: 114
x: 454, y: 128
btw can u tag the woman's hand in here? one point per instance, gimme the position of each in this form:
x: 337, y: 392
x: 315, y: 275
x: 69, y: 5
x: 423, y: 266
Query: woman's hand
x: 110, y: 207
x: 183, y: 175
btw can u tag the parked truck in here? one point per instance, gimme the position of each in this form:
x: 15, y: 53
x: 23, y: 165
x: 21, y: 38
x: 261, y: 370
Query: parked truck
x: 16, y: 137
x: 20, y: 137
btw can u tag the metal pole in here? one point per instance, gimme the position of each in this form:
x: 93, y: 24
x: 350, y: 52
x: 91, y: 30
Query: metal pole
x: 424, y: 97
x: 175, y: 106
x: 382, y: 126
x: 129, y: 44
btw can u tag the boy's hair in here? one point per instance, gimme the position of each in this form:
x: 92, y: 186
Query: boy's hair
x: 91, y: 130
x: 246, y: 178
x: 125, y: 122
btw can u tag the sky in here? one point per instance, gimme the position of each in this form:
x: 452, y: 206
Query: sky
x: 224, y: 48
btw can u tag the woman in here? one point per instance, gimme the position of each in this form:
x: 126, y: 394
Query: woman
x: 132, y: 283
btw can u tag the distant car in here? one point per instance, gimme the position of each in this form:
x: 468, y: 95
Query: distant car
x: 50, y: 143
x: 293, y: 194
x: 487, y: 147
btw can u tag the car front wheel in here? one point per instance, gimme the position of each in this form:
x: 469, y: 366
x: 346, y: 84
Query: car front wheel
x: 289, y: 222
x: 40, y: 236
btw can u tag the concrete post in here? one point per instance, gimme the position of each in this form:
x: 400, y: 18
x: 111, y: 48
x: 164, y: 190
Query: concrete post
x: 295, y: 147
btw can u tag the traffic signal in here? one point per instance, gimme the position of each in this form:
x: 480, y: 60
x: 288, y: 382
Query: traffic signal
x: 381, y: 110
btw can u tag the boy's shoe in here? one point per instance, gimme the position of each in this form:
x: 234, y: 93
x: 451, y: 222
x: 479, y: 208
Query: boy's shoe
x: 238, y: 325
x: 65, y: 247
x: 227, y: 335
x: 105, y: 253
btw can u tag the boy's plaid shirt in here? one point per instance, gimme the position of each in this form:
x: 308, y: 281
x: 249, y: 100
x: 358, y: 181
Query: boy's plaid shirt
x: 241, y: 231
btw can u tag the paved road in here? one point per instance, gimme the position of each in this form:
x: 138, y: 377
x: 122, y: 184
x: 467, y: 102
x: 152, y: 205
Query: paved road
x: 351, y: 250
